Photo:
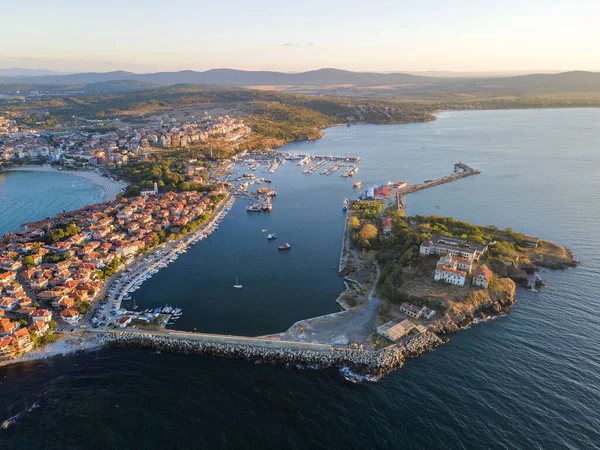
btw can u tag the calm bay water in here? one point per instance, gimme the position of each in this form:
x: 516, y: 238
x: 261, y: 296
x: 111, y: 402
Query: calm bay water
x: 27, y: 196
x: 530, y: 380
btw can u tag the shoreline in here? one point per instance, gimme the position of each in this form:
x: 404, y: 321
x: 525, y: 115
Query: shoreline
x: 83, y: 340
x: 67, y: 345
x: 110, y: 188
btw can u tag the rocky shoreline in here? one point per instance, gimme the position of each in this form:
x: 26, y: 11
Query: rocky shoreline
x: 499, y: 298
x: 373, y: 362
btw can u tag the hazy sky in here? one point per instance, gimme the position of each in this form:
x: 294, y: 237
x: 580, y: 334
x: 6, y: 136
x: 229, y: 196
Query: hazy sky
x: 293, y: 35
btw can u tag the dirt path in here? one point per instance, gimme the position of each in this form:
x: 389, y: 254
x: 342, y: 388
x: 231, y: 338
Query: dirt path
x: 341, y: 328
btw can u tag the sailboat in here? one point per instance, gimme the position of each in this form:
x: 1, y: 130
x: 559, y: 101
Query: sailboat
x: 237, y: 284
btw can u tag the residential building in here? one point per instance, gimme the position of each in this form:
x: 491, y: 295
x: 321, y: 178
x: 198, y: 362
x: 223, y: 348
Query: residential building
x: 70, y: 315
x: 482, y: 277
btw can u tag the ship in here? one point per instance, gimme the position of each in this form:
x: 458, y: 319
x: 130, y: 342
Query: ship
x: 285, y: 246
x: 345, y: 207
x: 271, y: 236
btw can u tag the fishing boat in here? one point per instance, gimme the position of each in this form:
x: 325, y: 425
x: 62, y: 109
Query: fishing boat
x: 285, y: 246
x: 271, y: 236
x: 237, y: 284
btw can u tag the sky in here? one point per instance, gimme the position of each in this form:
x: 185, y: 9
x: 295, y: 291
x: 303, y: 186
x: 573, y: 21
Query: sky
x: 299, y: 35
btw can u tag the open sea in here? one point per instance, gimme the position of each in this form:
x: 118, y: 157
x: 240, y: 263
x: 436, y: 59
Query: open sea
x: 530, y: 380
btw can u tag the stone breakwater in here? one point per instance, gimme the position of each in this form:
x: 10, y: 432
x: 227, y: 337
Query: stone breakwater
x: 366, y: 361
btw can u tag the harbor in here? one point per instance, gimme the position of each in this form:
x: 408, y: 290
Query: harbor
x: 111, y: 312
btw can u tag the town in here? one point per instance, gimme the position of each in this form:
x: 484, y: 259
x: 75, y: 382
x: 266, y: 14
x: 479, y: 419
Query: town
x: 54, y: 269
x: 19, y: 143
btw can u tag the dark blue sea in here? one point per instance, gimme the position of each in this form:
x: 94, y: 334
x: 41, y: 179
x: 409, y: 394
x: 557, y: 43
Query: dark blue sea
x: 530, y: 380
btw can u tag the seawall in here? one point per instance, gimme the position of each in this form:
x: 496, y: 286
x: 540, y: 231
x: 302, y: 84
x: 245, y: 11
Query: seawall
x: 253, y: 349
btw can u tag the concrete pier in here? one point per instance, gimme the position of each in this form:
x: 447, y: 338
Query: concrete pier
x: 461, y: 171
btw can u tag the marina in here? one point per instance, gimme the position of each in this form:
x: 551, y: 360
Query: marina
x: 111, y: 312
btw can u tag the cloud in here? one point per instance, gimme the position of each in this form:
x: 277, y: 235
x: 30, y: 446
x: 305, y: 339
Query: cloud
x: 298, y: 44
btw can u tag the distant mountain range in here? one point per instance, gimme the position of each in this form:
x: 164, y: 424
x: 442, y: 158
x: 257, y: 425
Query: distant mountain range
x: 229, y: 77
x: 576, y: 81
x: 18, y: 72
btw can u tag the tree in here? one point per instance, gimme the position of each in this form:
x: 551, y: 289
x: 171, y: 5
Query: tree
x: 84, y: 307
x: 354, y: 223
x: 28, y: 261
x: 368, y: 232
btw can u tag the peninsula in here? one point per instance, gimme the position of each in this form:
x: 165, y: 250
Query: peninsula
x: 409, y: 280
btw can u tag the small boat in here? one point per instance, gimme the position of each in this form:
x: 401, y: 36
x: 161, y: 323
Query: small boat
x: 271, y: 236
x: 285, y: 246
x: 357, y: 184
x: 237, y: 284
x: 345, y: 207
x: 264, y: 230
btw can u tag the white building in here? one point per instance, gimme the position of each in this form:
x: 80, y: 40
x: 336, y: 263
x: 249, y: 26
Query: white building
x: 482, y: 277
x: 450, y: 275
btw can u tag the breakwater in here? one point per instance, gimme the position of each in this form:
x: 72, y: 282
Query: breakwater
x: 462, y: 171
x: 368, y: 361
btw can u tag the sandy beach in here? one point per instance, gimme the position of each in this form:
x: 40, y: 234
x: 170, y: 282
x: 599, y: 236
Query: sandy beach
x: 110, y: 187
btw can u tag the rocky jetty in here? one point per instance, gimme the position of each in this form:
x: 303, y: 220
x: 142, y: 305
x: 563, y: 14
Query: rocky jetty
x: 376, y: 362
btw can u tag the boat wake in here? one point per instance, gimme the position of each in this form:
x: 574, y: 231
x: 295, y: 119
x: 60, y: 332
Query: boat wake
x: 12, y: 420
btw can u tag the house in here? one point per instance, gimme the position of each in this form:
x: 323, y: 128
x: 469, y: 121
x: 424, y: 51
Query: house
x: 443, y: 245
x: 70, y: 315
x: 387, y: 225
x: 450, y: 275
x: 23, y: 340
x: 8, y: 303
x: 410, y: 310
x: 7, y: 349
x: 7, y: 327
x: 39, y: 328
x: 482, y: 277
x: 123, y: 321
x: 394, y: 330
x: 64, y: 302
x: 7, y: 277
x: 13, y: 289
x: 42, y: 316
